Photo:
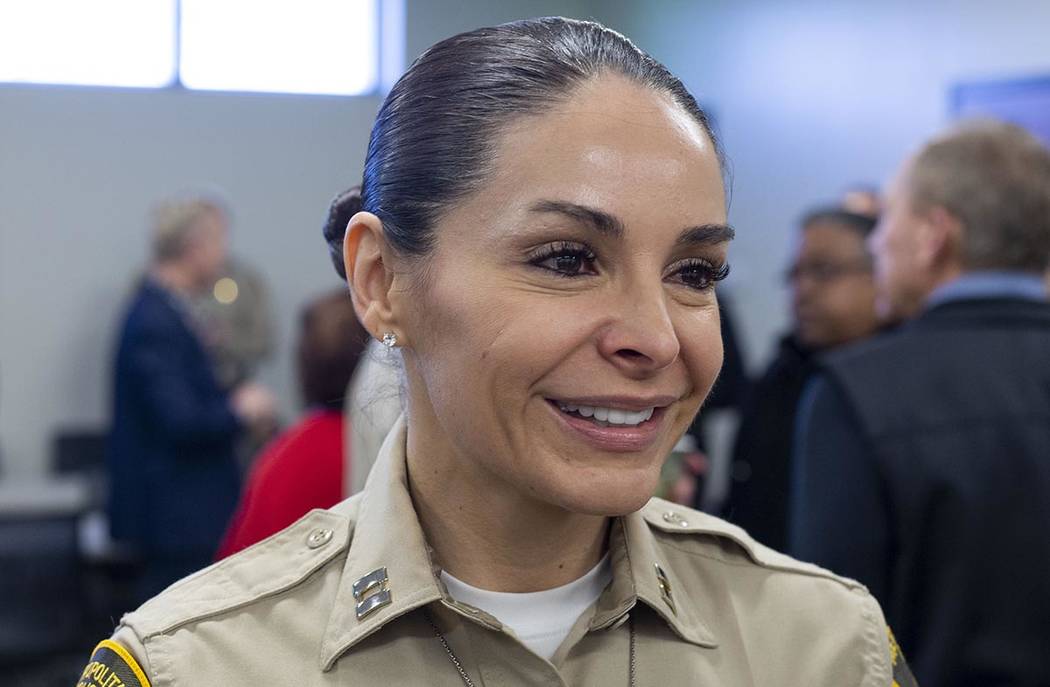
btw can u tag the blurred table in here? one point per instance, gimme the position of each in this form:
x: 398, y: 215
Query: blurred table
x: 54, y: 497
x: 75, y: 498
x: 43, y: 609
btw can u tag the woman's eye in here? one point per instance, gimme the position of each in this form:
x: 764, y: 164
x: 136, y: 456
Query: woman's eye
x: 701, y: 275
x: 566, y: 260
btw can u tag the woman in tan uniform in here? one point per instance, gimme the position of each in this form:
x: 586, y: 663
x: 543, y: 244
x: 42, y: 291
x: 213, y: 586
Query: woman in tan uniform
x: 544, y: 220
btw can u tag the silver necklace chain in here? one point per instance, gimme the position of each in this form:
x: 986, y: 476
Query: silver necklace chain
x: 448, y: 650
x: 469, y: 683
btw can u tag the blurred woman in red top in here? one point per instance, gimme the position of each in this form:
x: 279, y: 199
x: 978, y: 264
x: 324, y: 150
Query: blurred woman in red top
x: 303, y: 468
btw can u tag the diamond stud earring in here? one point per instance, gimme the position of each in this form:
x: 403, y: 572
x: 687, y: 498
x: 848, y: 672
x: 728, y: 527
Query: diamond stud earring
x: 390, y: 339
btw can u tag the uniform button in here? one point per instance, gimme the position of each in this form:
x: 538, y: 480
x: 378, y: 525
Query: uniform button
x: 675, y: 519
x: 319, y: 538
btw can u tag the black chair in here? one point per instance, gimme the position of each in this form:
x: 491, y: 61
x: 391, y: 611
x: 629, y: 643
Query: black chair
x: 108, y: 578
x: 79, y: 450
x: 42, y: 611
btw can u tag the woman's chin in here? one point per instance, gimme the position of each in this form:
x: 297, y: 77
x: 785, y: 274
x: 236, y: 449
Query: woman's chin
x: 608, y: 497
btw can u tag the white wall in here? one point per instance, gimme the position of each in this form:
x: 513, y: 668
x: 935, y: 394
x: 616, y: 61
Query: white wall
x: 813, y: 96
x: 79, y: 169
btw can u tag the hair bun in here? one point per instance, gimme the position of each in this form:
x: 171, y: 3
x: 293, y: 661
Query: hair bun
x: 344, y: 206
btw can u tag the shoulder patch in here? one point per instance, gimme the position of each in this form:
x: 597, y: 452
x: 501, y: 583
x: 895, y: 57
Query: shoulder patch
x: 902, y: 676
x: 112, y: 665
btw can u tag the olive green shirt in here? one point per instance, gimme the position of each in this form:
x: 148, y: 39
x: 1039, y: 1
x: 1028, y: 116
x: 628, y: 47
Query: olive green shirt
x: 351, y: 596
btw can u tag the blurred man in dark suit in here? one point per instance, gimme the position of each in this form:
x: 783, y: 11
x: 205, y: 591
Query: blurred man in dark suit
x: 174, y: 478
x: 923, y: 463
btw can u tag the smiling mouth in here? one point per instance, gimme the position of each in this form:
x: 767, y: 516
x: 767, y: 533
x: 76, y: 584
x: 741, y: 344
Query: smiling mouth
x: 607, y: 417
x: 616, y: 430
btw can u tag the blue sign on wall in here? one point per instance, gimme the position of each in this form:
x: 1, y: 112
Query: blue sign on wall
x: 1022, y: 101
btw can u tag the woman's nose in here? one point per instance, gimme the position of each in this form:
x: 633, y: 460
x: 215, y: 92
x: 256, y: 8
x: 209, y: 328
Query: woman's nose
x: 641, y: 338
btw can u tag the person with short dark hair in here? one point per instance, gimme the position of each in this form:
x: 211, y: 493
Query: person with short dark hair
x: 543, y: 224
x: 833, y: 304
x: 923, y: 460
x: 302, y: 469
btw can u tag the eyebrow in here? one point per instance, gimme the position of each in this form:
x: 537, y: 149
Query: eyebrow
x: 706, y: 234
x: 609, y: 225
x: 602, y: 222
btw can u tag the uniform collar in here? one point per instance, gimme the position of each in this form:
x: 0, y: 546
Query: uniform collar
x: 990, y: 284
x: 387, y: 536
x: 640, y: 573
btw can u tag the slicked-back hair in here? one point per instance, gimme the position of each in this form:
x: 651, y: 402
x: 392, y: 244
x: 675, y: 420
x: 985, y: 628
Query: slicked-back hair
x: 343, y: 207
x: 995, y: 178
x: 435, y: 136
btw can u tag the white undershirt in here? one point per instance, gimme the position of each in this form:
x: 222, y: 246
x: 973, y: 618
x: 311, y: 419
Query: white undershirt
x: 541, y: 620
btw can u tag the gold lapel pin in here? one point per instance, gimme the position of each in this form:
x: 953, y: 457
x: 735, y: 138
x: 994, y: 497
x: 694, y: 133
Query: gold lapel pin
x: 665, y: 587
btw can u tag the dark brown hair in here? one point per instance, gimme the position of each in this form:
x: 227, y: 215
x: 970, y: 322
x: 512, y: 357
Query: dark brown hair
x: 343, y: 207
x: 436, y: 132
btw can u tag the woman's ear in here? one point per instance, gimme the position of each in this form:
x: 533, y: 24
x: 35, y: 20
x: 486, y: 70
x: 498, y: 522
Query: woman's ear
x: 369, y: 276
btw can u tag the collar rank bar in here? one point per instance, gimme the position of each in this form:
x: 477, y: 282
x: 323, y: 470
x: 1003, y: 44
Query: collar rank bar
x: 372, y: 592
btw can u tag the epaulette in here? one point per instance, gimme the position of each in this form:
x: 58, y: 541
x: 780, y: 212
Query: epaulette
x: 290, y: 556
x: 674, y: 518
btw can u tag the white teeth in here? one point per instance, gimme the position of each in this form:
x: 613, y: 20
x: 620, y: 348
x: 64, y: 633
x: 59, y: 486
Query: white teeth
x: 639, y: 417
x: 613, y: 416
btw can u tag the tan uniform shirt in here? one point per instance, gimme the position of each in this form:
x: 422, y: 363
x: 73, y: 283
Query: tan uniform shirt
x: 350, y: 596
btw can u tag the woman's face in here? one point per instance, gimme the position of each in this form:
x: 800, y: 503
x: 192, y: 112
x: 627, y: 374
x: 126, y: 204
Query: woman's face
x: 577, y: 284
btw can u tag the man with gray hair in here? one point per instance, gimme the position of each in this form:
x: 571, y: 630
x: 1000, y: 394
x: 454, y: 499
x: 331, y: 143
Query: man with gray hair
x: 923, y: 457
x: 174, y: 480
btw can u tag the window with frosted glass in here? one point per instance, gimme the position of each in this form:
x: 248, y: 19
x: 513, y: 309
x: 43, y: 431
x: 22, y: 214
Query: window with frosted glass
x: 334, y: 47
x: 293, y: 46
x: 88, y: 42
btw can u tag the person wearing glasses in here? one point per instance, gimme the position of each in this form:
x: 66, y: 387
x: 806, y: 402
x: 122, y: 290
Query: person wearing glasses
x: 543, y: 224
x: 832, y: 304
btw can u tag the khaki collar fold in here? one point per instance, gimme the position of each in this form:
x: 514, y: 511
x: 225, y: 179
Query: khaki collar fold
x: 387, y: 535
x: 388, y: 543
x: 641, y: 574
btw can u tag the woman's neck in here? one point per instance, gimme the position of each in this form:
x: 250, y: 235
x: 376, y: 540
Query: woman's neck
x: 485, y: 533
